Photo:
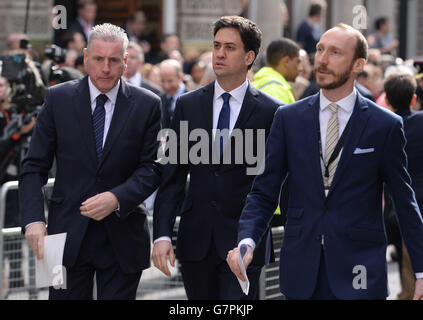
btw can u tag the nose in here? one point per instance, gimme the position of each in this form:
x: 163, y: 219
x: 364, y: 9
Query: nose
x: 220, y: 52
x: 106, y: 66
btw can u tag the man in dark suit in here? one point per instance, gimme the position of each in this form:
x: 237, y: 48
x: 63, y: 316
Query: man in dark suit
x: 103, y: 134
x: 172, y: 77
x: 400, y: 95
x: 216, y: 195
x: 336, y: 149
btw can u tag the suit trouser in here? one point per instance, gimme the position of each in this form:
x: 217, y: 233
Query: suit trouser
x: 212, y: 279
x: 96, y: 256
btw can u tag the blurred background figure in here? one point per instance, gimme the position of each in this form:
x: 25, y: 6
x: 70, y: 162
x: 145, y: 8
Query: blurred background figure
x: 134, y: 66
x: 310, y: 31
x: 173, y: 86
x: 84, y: 22
x: 243, y: 6
x: 152, y: 74
x: 283, y: 62
x: 135, y: 28
x: 168, y: 43
x: 382, y: 38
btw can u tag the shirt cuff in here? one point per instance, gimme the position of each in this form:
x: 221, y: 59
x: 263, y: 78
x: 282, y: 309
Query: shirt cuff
x: 419, y: 275
x: 163, y: 238
x: 247, y: 241
x: 117, y: 211
x: 26, y: 227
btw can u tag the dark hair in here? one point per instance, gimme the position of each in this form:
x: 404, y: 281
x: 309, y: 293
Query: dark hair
x: 82, y: 3
x: 380, y: 22
x: 315, y: 9
x: 280, y: 48
x: 69, y: 37
x: 399, y: 89
x: 361, y: 46
x: 167, y: 35
x: 248, y: 30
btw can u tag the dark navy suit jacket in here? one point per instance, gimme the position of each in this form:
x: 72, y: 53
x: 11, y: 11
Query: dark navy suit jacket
x: 127, y: 168
x: 350, y: 217
x: 217, y: 193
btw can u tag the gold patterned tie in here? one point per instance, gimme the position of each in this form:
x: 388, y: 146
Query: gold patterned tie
x: 332, y: 136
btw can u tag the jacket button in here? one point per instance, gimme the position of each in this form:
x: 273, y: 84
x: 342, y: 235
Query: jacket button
x: 214, y: 203
x: 216, y: 173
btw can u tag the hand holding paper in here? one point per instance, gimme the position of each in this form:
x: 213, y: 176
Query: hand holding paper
x: 238, y: 260
x: 49, y: 270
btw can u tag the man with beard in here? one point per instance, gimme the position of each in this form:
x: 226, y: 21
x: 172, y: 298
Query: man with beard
x: 335, y: 149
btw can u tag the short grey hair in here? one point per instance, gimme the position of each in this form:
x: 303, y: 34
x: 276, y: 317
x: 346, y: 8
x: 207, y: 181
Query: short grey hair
x: 108, y: 32
x: 137, y: 48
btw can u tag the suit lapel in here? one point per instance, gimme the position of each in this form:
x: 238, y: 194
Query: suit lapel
x: 311, y: 121
x: 121, y: 112
x: 82, y: 103
x: 247, y: 108
x: 359, y: 120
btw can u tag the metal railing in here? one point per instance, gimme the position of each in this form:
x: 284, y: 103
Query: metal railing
x: 17, y: 265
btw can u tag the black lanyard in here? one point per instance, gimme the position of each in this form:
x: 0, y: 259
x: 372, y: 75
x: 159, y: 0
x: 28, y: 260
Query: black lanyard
x: 337, y: 149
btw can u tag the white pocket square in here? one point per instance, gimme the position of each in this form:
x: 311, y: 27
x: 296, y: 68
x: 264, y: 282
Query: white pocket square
x: 360, y: 151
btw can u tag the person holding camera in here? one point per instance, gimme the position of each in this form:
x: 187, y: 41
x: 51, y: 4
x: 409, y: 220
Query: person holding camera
x: 8, y: 142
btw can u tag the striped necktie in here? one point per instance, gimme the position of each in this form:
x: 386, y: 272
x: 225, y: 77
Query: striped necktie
x: 99, y: 117
x: 332, y: 136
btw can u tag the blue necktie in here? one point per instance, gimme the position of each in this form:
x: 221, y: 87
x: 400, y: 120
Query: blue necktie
x: 223, y: 122
x: 99, y: 116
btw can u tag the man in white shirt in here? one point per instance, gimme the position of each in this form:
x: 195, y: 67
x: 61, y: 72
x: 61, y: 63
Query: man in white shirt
x: 102, y: 133
x: 337, y: 149
x: 132, y: 72
x: 210, y: 210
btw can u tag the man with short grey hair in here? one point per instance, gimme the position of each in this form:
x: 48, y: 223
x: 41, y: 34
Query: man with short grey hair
x: 132, y: 73
x: 88, y: 125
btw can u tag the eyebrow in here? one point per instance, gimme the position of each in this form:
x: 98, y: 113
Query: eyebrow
x: 232, y: 43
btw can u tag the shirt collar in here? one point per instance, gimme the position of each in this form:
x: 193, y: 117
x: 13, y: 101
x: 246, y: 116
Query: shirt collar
x: 237, y: 93
x: 346, y: 104
x: 94, y: 92
x: 180, y: 91
x: 136, y: 79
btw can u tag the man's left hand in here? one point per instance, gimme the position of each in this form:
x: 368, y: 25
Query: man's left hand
x: 418, y: 291
x: 99, y: 206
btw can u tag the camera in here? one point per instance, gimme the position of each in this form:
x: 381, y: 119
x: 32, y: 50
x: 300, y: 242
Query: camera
x: 55, y: 53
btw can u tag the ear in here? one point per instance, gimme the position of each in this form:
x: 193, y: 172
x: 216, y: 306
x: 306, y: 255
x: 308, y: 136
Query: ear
x: 125, y: 58
x: 359, y: 65
x: 85, y: 54
x: 249, y: 57
x: 413, y: 100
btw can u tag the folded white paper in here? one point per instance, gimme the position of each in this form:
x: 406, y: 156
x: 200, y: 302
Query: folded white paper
x: 245, y: 285
x: 49, y: 271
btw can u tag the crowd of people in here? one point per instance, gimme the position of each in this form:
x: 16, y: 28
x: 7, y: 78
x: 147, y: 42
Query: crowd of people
x: 183, y: 84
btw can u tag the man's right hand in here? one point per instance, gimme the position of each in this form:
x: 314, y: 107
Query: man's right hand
x: 34, y: 235
x: 161, y: 250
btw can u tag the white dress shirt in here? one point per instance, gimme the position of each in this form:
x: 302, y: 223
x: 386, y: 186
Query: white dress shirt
x: 109, y: 106
x: 136, y: 79
x: 346, y: 107
x: 235, y: 103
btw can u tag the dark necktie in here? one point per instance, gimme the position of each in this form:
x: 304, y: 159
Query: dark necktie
x: 223, y: 122
x: 99, y: 116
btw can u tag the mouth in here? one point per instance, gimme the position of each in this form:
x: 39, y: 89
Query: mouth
x: 323, y: 71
